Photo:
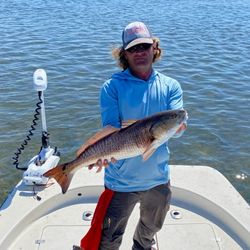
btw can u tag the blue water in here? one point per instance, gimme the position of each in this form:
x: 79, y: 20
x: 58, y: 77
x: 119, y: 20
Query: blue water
x: 206, y: 47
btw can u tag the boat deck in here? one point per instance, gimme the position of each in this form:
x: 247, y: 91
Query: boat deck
x: 206, y: 213
x: 57, y: 231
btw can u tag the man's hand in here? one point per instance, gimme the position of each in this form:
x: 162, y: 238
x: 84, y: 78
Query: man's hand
x: 101, y: 163
x: 180, y: 130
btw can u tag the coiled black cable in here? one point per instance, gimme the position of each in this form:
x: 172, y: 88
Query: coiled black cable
x: 30, y: 133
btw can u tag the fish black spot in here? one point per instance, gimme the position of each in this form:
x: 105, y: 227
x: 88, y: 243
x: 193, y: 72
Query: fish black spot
x: 64, y: 167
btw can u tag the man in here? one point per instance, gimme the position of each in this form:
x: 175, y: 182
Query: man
x: 136, y: 92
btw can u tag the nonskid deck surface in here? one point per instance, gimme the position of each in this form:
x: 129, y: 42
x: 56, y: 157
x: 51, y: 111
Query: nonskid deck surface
x: 206, y: 213
x: 182, y: 230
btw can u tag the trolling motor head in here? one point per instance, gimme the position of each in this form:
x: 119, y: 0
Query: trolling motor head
x: 47, y: 157
x: 40, y: 80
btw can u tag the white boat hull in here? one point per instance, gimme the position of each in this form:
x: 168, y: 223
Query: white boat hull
x: 206, y: 213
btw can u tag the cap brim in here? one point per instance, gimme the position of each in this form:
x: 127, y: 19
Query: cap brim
x: 138, y: 41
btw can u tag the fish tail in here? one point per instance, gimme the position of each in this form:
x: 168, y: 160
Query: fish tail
x: 62, y: 176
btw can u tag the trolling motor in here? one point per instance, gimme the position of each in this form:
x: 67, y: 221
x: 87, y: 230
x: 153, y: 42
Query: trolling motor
x: 48, y: 157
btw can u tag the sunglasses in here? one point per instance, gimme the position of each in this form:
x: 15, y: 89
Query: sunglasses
x: 139, y: 48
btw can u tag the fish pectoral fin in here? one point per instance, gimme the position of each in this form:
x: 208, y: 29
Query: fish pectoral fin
x: 148, y: 152
x: 99, y: 135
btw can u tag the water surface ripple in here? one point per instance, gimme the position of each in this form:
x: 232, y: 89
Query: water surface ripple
x: 206, y: 47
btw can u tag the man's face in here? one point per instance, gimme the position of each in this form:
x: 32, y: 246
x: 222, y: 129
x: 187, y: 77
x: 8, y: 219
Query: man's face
x: 140, y: 57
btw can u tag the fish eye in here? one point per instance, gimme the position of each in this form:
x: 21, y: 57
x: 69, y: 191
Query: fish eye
x: 173, y: 115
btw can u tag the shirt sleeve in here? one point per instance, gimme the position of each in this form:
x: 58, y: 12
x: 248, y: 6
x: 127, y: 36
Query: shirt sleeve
x: 175, y: 96
x: 109, y: 106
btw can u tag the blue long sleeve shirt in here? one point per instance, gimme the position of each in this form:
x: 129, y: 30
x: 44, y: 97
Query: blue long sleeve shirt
x: 125, y: 97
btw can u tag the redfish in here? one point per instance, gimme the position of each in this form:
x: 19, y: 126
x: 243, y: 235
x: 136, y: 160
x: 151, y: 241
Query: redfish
x: 142, y: 137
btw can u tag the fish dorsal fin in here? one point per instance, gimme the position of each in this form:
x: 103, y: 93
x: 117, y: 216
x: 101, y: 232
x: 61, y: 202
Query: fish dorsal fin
x: 99, y: 135
x: 127, y: 123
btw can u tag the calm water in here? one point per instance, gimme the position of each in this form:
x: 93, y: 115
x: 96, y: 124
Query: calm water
x: 206, y: 48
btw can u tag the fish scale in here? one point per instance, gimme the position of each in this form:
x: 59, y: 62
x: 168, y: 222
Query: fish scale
x: 109, y: 147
